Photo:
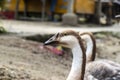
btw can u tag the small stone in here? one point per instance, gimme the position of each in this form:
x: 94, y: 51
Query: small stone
x: 70, y: 19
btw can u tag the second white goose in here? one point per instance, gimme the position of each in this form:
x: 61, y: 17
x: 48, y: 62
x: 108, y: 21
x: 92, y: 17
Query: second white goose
x: 89, y: 38
x: 90, y: 45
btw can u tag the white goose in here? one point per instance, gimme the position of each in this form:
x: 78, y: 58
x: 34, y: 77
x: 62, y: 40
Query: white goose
x: 90, y: 45
x: 88, y: 37
x: 79, y: 69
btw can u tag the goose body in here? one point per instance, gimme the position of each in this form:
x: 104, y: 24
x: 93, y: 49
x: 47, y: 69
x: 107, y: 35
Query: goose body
x: 95, y: 70
x: 102, y: 71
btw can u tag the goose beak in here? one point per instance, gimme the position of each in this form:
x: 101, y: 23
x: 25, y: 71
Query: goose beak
x: 48, y: 42
x: 55, y: 41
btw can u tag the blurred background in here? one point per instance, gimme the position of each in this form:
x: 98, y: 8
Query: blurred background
x: 26, y: 24
x: 88, y: 11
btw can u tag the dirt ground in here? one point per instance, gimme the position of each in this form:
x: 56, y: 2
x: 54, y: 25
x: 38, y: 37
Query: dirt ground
x: 22, y: 59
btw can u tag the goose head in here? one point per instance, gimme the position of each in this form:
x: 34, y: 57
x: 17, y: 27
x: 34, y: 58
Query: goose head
x: 86, y: 36
x: 67, y: 39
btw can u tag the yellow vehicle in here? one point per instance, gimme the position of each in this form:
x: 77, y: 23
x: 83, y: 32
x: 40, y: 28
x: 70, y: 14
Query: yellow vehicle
x: 80, y: 6
x: 61, y: 6
x: 85, y: 6
x: 32, y: 5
